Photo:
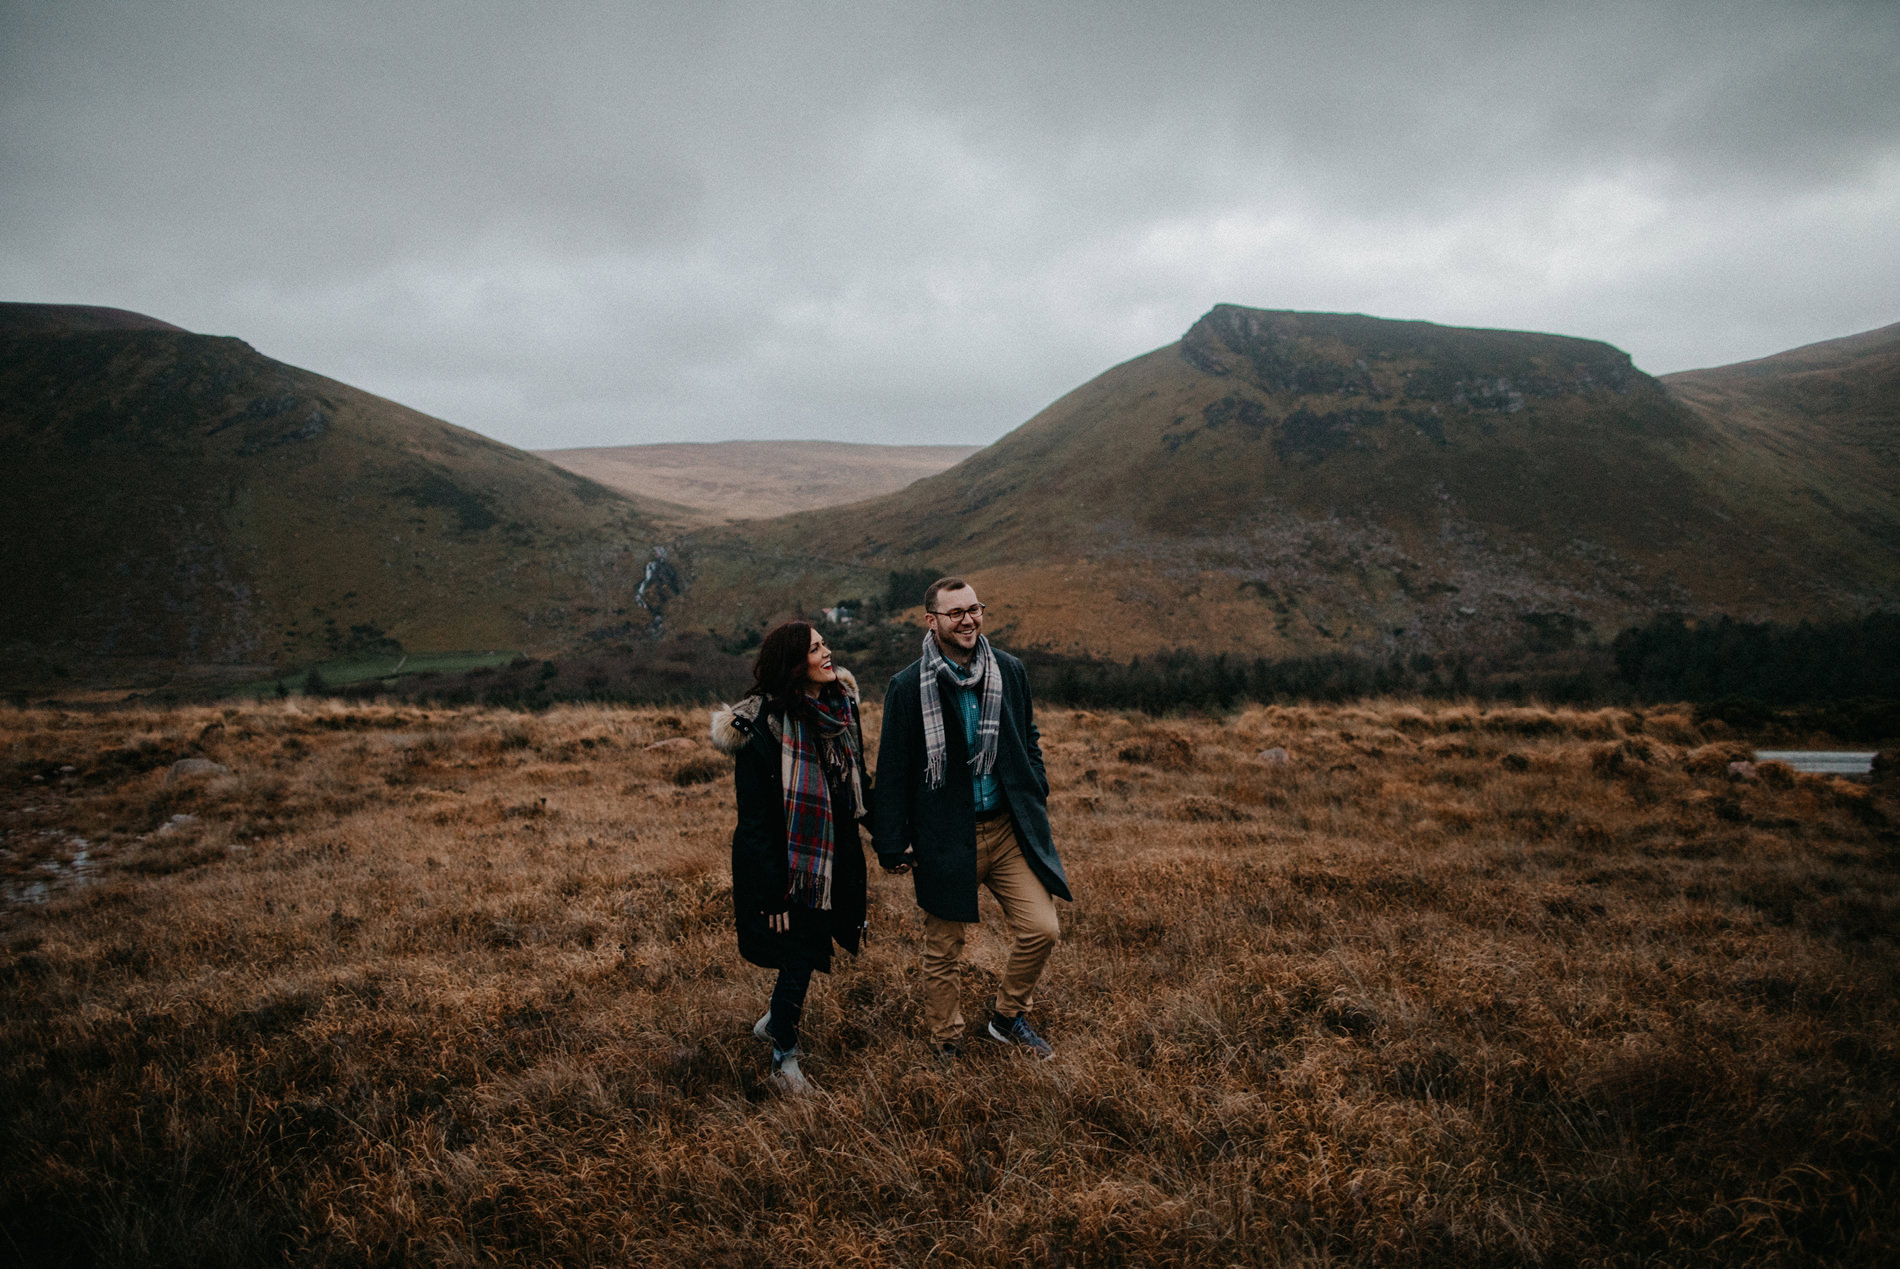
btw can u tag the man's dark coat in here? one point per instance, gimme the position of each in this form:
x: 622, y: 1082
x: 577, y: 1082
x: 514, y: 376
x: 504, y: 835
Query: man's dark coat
x: 941, y: 822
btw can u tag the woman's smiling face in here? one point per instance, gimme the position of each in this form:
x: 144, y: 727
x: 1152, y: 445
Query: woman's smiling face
x: 818, y: 671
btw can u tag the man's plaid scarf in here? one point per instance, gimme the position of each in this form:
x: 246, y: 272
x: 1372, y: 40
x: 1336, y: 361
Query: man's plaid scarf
x: 810, y: 749
x: 989, y: 721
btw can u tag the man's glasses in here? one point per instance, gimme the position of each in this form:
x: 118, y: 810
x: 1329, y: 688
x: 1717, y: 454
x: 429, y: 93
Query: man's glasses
x: 956, y: 615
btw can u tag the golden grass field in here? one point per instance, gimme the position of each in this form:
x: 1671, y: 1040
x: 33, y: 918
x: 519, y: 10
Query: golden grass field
x: 455, y: 987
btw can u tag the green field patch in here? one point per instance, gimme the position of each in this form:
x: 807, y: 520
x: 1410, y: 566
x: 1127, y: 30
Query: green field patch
x: 349, y: 670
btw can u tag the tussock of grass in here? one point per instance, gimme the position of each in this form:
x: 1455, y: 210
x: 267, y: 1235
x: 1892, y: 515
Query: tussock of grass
x: 455, y: 986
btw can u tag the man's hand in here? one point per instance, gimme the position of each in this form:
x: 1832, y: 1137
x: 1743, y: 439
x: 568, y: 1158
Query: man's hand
x: 904, y: 864
x: 779, y: 922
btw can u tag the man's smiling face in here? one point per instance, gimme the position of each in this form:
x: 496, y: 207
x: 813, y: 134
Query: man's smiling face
x: 957, y: 618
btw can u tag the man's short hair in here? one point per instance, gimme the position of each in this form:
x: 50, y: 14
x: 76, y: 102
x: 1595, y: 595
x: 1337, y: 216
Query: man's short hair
x: 942, y: 583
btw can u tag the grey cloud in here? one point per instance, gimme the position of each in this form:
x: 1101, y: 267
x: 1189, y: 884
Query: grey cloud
x: 592, y: 223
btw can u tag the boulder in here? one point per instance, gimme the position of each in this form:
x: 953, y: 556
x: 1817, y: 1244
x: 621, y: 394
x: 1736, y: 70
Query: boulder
x: 1275, y: 757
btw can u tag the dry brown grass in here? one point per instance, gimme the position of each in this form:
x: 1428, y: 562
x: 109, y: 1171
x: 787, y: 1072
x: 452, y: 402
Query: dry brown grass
x: 456, y: 987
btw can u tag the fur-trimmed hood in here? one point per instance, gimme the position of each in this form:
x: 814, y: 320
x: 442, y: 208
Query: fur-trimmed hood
x: 733, y: 725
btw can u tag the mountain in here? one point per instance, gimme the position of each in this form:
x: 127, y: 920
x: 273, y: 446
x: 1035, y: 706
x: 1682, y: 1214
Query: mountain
x: 1814, y: 440
x: 745, y: 480
x: 176, y: 499
x: 45, y: 319
x: 1274, y: 483
x: 1284, y: 483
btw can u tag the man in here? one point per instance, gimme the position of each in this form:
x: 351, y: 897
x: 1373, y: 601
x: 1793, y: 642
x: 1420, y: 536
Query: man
x: 961, y: 801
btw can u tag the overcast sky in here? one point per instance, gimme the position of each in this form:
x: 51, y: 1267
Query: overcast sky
x: 593, y: 224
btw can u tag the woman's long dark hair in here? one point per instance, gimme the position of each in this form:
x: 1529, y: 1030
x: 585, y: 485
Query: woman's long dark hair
x: 778, y: 674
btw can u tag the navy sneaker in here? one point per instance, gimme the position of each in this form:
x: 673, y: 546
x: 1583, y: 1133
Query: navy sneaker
x: 1017, y: 1033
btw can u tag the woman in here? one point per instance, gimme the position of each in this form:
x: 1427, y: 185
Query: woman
x: 798, y: 876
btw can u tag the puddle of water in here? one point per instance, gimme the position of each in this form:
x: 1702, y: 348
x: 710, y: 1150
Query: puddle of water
x: 74, y: 865
x: 1841, y: 762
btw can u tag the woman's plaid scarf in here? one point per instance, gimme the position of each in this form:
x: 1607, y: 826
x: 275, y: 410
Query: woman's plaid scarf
x: 817, y: 750
x: 989, y: 718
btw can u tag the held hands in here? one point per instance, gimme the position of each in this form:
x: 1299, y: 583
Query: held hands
x: 781, y: 922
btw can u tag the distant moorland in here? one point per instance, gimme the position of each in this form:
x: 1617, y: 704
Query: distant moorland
x: 753, y: 480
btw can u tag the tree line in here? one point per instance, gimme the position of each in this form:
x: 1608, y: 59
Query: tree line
x: 1845, y: 676
x: 1672, y: 659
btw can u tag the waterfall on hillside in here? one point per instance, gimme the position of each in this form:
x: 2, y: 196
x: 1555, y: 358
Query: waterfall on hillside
x: 658, y: 584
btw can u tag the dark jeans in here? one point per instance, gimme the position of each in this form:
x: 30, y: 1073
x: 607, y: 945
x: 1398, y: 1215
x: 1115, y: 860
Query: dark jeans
x: 788, y: 1005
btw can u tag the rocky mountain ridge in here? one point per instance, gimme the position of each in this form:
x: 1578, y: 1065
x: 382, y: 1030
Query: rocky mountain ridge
x: 1281, y: 483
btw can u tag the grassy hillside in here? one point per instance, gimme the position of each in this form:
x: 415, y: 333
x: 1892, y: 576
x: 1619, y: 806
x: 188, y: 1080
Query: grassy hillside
x: 179, y: 500
x: 1286, y: 483
x: 1448, y: 986
x: 1811, y: 445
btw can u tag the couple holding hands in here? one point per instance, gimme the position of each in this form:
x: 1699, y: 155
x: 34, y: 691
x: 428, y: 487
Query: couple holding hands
x: 960, y: 802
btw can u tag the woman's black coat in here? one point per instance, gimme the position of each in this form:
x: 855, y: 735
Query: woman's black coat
x: 760, y: 867
x: 941, y: 822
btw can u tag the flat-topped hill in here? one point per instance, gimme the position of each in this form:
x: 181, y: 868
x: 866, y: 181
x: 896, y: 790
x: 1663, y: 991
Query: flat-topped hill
x: 1283, y: 483
x: 40, y: 319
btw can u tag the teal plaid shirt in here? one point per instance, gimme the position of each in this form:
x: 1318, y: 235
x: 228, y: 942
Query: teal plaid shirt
x: 970, y: 709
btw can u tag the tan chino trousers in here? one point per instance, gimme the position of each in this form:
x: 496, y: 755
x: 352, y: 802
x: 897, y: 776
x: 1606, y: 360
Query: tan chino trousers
x: 1028, y: 911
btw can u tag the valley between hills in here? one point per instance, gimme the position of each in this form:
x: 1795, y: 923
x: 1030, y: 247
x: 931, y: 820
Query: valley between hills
x: 718, y: 482
x: 184, y: 512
